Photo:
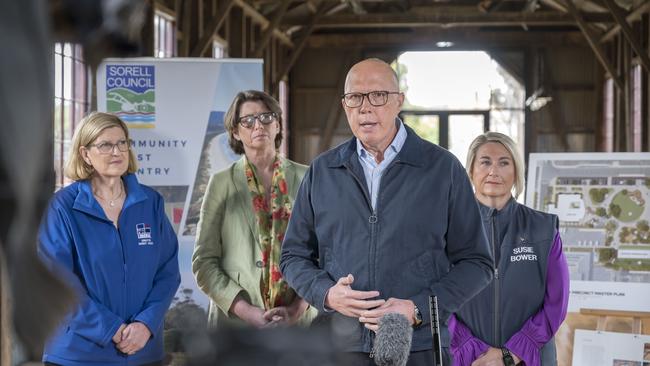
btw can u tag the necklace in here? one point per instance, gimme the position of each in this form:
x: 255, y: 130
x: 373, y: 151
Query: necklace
x: 111, y: 202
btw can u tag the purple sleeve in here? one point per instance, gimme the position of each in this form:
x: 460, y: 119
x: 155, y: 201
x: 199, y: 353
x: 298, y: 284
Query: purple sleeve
x: 541, y: 327
x: 464, y: 346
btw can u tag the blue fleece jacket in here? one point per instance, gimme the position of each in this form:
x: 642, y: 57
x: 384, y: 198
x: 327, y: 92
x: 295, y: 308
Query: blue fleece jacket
x: 122, y: 275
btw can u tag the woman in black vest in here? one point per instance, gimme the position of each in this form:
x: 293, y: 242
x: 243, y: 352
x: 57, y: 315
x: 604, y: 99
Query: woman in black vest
x: 513, y: 320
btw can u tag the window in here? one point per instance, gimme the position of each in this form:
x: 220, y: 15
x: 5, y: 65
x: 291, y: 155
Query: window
x: 164, y: 35
x: 637, y: 108
x: 218, y: 48
x: 70, y: 100
x: 608, y: 115
x: 283, y: 99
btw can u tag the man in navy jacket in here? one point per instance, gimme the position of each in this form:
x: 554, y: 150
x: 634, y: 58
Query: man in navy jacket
x: 382, y: 222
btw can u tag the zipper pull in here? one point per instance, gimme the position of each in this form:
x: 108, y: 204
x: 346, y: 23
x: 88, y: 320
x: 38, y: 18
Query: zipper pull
x: 372, y: 352
x: 496, y: 273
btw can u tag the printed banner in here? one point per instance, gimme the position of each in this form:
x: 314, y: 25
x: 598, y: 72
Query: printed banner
x: 131, y: 94
x: 174, y: 109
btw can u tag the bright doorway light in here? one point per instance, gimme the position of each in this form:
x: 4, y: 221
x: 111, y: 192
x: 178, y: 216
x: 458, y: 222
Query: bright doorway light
x: 452, y: 85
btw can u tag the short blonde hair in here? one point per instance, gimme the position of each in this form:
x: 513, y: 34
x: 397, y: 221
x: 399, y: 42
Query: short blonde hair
x: 506, y: 142
x: 88, y: 130
x: 231, y: 119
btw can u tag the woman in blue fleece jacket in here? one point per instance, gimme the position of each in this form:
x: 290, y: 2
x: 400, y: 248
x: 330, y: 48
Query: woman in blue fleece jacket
x: 108, y: 235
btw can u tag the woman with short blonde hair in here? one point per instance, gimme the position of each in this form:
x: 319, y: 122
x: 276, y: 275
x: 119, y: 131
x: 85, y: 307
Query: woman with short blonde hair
x: 93, y: 125
x: 513, y: 320
x: 508, y: 144
x: 109, y: 236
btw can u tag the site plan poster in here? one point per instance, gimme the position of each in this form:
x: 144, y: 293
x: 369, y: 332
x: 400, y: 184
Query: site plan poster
x: 602, y: 201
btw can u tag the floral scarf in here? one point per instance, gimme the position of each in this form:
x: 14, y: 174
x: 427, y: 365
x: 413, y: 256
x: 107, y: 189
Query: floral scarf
x: 271, y: 224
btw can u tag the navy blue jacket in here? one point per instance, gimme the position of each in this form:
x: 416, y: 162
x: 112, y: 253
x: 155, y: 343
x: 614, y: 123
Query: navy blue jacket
x: 121, y: 276
x: 522, y: 240
x: 425, y: 236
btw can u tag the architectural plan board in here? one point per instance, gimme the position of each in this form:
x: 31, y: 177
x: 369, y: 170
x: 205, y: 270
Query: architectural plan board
x: 602, y: 202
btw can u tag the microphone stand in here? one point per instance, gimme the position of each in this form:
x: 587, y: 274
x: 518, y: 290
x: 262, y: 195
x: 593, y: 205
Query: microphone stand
x: 435, y: 330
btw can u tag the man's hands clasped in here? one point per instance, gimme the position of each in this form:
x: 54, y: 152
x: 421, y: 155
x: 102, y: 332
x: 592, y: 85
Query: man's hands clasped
x: 358, y: 304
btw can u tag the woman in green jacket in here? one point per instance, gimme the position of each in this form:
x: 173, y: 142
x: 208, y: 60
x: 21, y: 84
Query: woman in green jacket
x: 244, y: 215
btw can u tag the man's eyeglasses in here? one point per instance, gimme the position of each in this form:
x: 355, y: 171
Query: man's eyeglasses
x: 376, y: 98
x: 107, y: 147
x: 264, y: 118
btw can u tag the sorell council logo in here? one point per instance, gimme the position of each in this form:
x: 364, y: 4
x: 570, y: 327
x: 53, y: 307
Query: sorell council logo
x: 131, y: 94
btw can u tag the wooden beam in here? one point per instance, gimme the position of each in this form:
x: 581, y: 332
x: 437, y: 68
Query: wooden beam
x: 629, y: 33
x: 206, y: 39
x: 270, y: 29
x: 356, y: 6
x: 617, y: 313
x: 531, y: 6
x: 595, y: 46
x: 300, y: 46
x: 449, y: 20
x: 555, y: 5
x: 634, y: 15
x: 261, y: 20
x: 425, y: 39
x: 162, y: 6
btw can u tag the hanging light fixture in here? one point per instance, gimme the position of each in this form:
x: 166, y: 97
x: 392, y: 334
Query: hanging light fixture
x: 538, y: 100
x: 540, y: 96
x: 444, y: 44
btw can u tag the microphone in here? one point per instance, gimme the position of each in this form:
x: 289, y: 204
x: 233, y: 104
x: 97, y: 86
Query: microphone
x: 393, y: 341
x: 435, y: 330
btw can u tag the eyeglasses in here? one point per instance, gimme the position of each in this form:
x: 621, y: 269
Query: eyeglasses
x: 376, y: 98
x: 264, y: 118
x: 107, y: 147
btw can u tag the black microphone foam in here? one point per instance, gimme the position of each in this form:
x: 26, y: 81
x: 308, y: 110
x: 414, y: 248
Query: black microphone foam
x: 393, y: 341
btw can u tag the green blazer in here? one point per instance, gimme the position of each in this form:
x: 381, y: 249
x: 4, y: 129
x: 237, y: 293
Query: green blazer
x: 227, y: 251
